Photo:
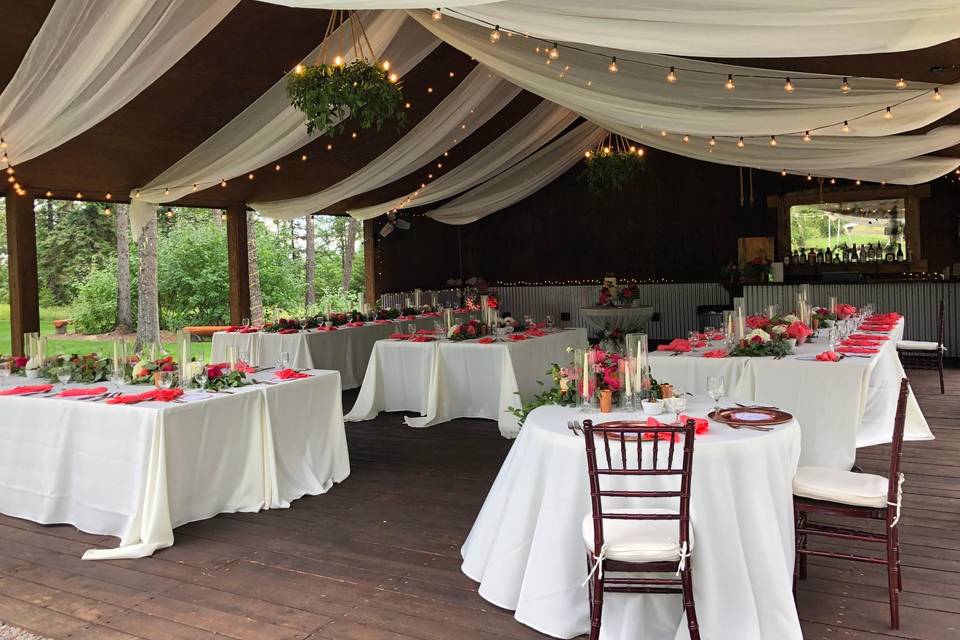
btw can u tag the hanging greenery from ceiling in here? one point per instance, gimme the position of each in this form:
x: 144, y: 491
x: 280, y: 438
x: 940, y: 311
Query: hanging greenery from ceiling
x: 614, y: 164
x: 360, y: 91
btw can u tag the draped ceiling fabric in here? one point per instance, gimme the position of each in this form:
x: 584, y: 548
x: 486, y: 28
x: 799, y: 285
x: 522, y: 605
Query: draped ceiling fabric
x: 544, y: 122
x: 90, y: 58
x: 271, y: 128
x: 480, y: 96
x: 522, y: 179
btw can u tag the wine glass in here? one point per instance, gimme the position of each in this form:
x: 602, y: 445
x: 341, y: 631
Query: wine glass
x: 715, y: 388
x: 694, y: 338
x: 438, y: 330
x: 412, y: 330
x: 549, y: 320
x: 245, y: 322
x: 283, y: 360
x: 709, y: 331
x: 244, y: 358
x: 201, y: 378
x: 164, y: 379
x: 64, y: 374
x: 117, y: 377
x: 303, y: 324
x: 677, y: 404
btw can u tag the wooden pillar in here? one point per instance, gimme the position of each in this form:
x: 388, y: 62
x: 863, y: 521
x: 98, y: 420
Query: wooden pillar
x: 22, y: 264
x: 371, y: 291
x: 237, y: 263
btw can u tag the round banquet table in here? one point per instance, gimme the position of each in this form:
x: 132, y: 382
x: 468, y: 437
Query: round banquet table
x: 526, y: 550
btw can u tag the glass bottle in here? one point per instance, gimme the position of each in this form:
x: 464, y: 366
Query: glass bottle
x: 811, y: 257
x: 828, y: 256
x: 899, y: 252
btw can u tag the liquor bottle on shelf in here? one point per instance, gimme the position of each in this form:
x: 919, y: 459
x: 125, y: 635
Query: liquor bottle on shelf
x: 862, y: 255
x: 819, y: 256
x: 786, y: 258
x: 812, y: 257
x: 899, y: 252
x: 871, y: 254
x: 889, y: 255
x: 828, y: 256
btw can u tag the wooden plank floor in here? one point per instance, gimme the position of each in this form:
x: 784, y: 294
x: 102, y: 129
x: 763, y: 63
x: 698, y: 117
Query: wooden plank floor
x: 378, y: 557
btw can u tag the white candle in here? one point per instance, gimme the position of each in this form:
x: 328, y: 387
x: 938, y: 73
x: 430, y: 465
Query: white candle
x: 416, y: 298
x: 586, y: 373
x: 627, y: 376
x: 433, y: 299
x: 833, y: 305
x: 741, y: 326
x: 770, y: 312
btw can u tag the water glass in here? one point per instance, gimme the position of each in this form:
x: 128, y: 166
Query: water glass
x: 412, y: 330
x: 245, y: 322
x: 64, y: 374
x: 677, y: 403
x: 201, y: 378
x: 716, y: 389
x: 549, y: 320
x: 709, y: 331
x: 694, y: 338
x: 283, y: 360
x: 164, y: 379
x: 245, y: 357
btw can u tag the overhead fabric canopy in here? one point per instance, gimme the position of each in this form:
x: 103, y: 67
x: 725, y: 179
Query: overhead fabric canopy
x: 271, y: 127
x: 90, y: 58
x: 480, y: 96
x: 522, y: 179
x: 544, y: 122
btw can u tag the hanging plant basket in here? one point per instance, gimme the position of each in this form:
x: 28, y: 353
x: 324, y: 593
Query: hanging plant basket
x: 613, y: 165
x: 360, y: 92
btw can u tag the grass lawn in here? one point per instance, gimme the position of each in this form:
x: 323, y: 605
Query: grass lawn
x: 74, y: 343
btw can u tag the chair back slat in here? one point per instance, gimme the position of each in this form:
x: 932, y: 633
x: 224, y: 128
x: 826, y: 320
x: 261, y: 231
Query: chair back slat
x: 896, y: 446
x: 643, y: 433
x: 940, y: 329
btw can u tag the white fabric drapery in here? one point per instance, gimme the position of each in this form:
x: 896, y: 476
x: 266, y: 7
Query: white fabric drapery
x: 369, y: 4
x: 728, y: 28
x: 90, y: 58
x: 542, y: 124
x: 522, y: 179
x: 271, y: 128
x: 479, y: 97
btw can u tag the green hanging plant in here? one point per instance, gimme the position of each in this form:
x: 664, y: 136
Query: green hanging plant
x: 612, y: 165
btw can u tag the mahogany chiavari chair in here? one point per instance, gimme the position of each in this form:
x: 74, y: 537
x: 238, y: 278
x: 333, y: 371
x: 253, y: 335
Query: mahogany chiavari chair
x: 855, y: 495
x: 925, y: 355
x: 635, y: 540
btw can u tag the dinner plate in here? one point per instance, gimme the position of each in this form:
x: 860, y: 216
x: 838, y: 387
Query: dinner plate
x: 750, y: 416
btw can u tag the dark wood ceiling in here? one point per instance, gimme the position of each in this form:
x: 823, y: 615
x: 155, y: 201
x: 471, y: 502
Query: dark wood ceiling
x: 249, y: 51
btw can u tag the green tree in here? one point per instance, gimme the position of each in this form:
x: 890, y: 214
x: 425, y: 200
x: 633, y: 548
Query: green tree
x: 73, y: 239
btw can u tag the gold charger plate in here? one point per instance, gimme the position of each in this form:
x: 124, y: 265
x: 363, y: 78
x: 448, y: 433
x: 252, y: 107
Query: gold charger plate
x: 748, y: 416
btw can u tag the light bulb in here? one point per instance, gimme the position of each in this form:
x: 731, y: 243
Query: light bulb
x: 249, y: 176
x: 78, y: 195
x: 354, y: 135
x: 809, y: 177
x: 729, y: 83
x: 773, y: 141
x: 11, y: 171
x: 329, y: 147
x: 393, y: 77
x: 663, y: 134
x: 495, y: 35
x: 686, y: 139
x: 846, y: 127
x: 3, y: 143
x: 194, y: 188
x: 612, y: 67
x: 901, y: 84
x: 833, y: 181
x: 713, y: 141
x: 788, y: 86
x: 223, y: 183
x: 169, y: 213
x: 783, y: 172
x: 845, y: 86
x: 588, y: 154
x: 806, y: 136
x: 166, y: 192
x: 553, y: 53
x: 640, y: 152
x: 936, y: 95
x: 49, y: 194
x: 299, y: 69
x: 136, y: 194
x: 303, y: 158
x: 671, y: 76
x: 109, y: 196
x: 888, y: 115
x: 386, y: 65
x: 858, y: 182
x: 740, y: 143
x: 11, y: 179
x: 106, y: 212
x: 437, y: 15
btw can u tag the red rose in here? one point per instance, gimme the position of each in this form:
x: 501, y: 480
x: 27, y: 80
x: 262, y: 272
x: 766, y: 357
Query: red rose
x: 20, y: 361
x: 214, y: 372
x: 756, y: 339
x: 166, y: 367
x: 472, y: 330
x: 627, y: 293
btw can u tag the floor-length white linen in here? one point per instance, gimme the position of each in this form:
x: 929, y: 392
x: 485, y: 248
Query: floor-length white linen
x: 523, y: 179
x: 139, y: 471
x: 842, y: 406
x: 526, y: 550
x: 270, y: 127
x: 540, y: 126
x: 726, y: 28
x: 463, y: 380
x: 90, y: 58
x: 479, y: 97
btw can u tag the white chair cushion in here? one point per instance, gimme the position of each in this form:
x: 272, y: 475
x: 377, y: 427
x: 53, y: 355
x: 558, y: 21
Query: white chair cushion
x: 835, y: 485
x: 638, y: 540
x: 918, y: 345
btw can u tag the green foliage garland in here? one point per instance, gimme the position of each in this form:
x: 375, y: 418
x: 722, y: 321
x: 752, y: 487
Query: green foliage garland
x: 330, y: 95
x: 612, y: 171
x: 776, y: 348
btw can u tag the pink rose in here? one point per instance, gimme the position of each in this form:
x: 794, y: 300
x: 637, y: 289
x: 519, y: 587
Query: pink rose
x: 20, y: 361
x: 214, y: 372
x: 166, y: 367
x: 471, y: 330
x: 757, y: 322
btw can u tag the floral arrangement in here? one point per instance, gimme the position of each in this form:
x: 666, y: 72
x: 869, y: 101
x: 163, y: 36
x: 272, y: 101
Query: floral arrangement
x: 141, y: 371
x: 844, y: 311
x: 83, y: 368
x: 606, y: 369
x: 385, y: 314
x: 18, y: 364
x: 218, y: 379
x: 472, y: 302
x: 335, y: 318
x: 764, y: 329
x: 613, y: 295
x: 758, y: 344
x: 332, y: 95
x: 467, y: 331
x: 563, y: 392
x: 410, y: 311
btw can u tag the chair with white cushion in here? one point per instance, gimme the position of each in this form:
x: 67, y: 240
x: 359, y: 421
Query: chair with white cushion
x: 855, y: 495
x: 635, y: 542
x: 928, y: 355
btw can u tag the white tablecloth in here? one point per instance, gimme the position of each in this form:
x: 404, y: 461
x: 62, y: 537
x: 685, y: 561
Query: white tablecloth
x: 841, y: 405
x: 447, y: 380
x: 624, y: 318
x: 347, y: 349
x: 526, y: 550
x: 139, y: 471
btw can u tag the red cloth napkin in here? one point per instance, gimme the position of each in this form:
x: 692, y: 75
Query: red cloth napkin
x: 858, y: 350
x: 716, y: 353
x: 422, y: 339
x: 535, y: 333
x: 326, y: 328
x: 400, y: 336
x: 517, y: 337
x: 27, y: 388
x: 289, y: 374
x: 355, y: 324
x: 286, y: 332
x: 677, y: 344
x: 828, y: 356
x: 381, y: 322
x: 850, y: 342
x: 244, y: 367
x: 248, y: 330
x: 232, y: 329
x: 154, y: 395
x: 486, y: 340
x: 867, y: 336
x: 885, y: 317
x: 87, y: 391
x: 702, y: 424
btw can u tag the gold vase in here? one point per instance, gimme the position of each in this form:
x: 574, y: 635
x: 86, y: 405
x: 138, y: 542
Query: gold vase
x: 606, y: 400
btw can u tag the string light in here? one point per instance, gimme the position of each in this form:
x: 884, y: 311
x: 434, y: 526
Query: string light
x: 10, y: 179
x: 495, y: 35
x: 554, y: 52
x: 437, y: 15
x: 354, y: 135
x: 788, y: 86
x: 936, y: 94
x: 386, y: 65
x: 329, y: 147
x: 663, y: 134
x: 406, y: 105
x: 901, y: 84
x: 429, y: 89
x: 109, y: 196
x: 806, y: 136
x: 730, y: 86
x: 223, y: 183
x: 833, y: 181
x: 809, y: 177
x: 686, y: 139
x: 846, y: 127
x: 393, y: 77
x: 338, y: 61
x: 194, y: 189
x: 276, y: 167
x: 78, y: 196
x: 166, y: 192
x: 613, y: 68
x: 249, y: 176
x: 888, y: 115
x: 783, y: 172
x: 11, y: 171
x: 3, y: 143
x: 671, y: 75
x: 49, y: 194
x: 740, y: 143
x: 299, y: 69
x: 773, y: 141
x: 857, y: 182
x: 845, y: 86
x: 713, y: 141
x: 136, y: 194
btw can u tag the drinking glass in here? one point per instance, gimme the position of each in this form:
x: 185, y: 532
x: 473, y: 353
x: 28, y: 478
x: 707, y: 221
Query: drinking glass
x: 549, y: 320
x: 694, y: 339
x: 283, y: 360
x: 303, y: 324
x: 709, y: 331
x: 715, y: 388
x: 438, y: 330
x: 245, y: 357
x: 245, y: 322
x: 412, y: 330
x: 677, y: 403
x: 5, y: 369
x: 64, y: 374
x: 164, y: 379
x: 201, y: 378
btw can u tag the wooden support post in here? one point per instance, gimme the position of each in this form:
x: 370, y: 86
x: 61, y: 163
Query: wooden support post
x: 371, y: 292
x: 237, y: 261
x: 22, y: 265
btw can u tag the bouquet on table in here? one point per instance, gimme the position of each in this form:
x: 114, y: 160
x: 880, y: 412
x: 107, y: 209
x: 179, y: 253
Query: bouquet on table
x: 220, y: 377
x: 844, y: 311
x: 467, y: 331
x: 385, y: 314
x: 142, y: 371
x: 85, y: 368
x: 289, y: 325
x: 613, y: 295
x: 563, y: 391
x: 605, y: 367
x: 758, y: 343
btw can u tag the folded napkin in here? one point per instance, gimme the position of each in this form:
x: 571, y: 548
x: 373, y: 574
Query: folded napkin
x: 400, y: 336
x: 381, y: 322
x: 286, y: 332
x: 716, y: 353
x: 289, y: 374
x: 885, y: 317
x: 248, y: 330
x: 26, y: 388
x: 154, y: 395
x: 244, y: 367
x: 850, y: 342
x: 702, y: 425
x: 517, y: 337
x: 487, y: 340
x: 422, y: 339
x: 828, y: 356
x: 868, y: 336
x: 232, y: 329
x: 326, y: 328
x: 535, y: 332
x: 663, y: 435
x: 857, y: 350
x: 677, y: 344
x: 355, y: 324
x: 81, y: 391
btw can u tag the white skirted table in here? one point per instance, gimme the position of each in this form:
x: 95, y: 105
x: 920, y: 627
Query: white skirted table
x: 526, y: 549
x: 447, y: 380
x: 624, y: 319
x: 841, y: 405
x: 139, y: 471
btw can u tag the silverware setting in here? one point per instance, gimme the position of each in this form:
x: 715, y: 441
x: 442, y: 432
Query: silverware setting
x: 754, y: 427
x: 575, y: 427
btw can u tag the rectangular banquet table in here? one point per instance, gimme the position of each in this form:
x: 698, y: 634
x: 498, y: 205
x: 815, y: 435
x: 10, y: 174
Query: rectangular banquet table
x: 346, y: 349
x: 841, y: 405
x: 447, y: 380
x: 139, y: 471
